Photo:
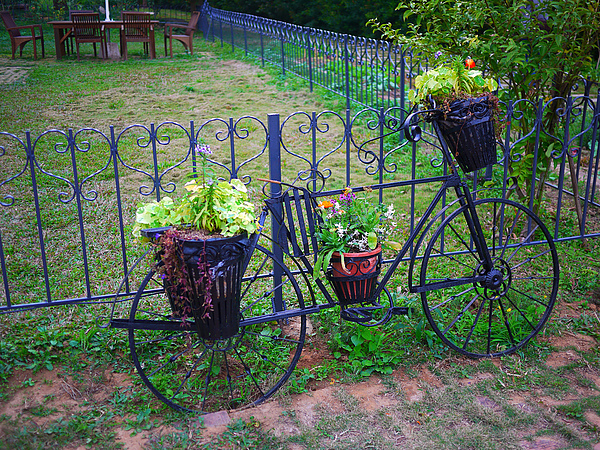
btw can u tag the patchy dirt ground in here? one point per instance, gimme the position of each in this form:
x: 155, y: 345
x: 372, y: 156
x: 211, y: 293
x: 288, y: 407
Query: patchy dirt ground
x: 398, y: 409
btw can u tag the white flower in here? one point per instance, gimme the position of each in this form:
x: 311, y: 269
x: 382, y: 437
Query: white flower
x: 389, y: 214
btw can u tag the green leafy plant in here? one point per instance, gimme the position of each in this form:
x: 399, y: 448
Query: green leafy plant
x: 210, y: 209
x: 367, y: 351
x: 450, y: 80
x: 351, y: 224
x: 210, y: 205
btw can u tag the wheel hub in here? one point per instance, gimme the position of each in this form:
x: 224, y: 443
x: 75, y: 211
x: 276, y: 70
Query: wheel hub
x: 496, y: 281
x: 493, y: 280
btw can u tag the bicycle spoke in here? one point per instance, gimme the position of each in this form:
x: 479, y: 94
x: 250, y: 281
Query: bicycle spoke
x: 530, y: 297
x: 506, y: 324
x: 521, y: 313
x: 530, y: 258
x: 228, y: 376
x: 186, y: 377
x: 468, y: 338
x: 453, y: 259
x: 172, y: 359
x: 451, y: 298
x: 460, y: 315
x: 274, y: 338
x: 248, y: 371
x: 511, y: 233
x: 207, y: 380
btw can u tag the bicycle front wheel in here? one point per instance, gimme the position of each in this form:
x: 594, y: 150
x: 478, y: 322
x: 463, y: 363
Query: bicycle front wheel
x: 481, y: 311
x: 193, y: 374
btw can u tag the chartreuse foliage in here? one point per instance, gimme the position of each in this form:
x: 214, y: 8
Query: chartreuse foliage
x: 216, y: 207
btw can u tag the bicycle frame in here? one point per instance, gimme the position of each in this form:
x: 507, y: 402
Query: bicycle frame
x: 480, y: 299
x: 464, y: 198
x: 449, y: 181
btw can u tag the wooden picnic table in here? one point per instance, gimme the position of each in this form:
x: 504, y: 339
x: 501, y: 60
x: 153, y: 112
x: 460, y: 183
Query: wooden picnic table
x: 64, y: 28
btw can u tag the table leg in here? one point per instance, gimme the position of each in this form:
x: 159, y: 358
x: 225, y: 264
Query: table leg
x: 152, y: 45
x: 59, y: 42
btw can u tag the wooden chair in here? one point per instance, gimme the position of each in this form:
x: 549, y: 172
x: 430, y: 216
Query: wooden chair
x: 70, y: 44
x: 187, y: 39
x: 137, y: 28
x: 17, y: 39
x: 87, y: 29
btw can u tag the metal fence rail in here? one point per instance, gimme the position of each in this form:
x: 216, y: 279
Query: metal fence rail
x: 68, y: 197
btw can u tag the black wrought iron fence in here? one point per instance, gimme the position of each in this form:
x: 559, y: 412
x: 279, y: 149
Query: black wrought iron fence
x: 68, y: 197
x: 370, y: 72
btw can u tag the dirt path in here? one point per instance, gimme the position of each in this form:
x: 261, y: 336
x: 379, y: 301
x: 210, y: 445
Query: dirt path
x: 417, y: 407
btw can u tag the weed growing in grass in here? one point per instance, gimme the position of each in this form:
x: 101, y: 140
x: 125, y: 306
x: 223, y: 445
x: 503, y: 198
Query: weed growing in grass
x: 368, y: 351
x: 91, y: 429
x: 243, y: 435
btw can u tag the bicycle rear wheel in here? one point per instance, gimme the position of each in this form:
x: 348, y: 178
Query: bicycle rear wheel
x: 192, y: 374
x: 481, y: 312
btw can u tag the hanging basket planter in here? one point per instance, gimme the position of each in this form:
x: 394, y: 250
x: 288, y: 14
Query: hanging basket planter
x: 211, y: 288
x: 468, y: 129
x: 355, y: 280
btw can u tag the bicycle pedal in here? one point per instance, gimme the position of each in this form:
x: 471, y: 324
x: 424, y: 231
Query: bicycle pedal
x: 402, y: 310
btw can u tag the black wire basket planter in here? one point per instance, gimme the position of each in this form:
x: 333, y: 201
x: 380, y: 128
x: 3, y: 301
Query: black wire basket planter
x: 469, y: 131
x: 210, y: 290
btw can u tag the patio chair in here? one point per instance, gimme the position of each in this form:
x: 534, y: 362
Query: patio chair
x: 70, y: 44
x: 87, y: 29
x: 187, y: 39
x: 17, y: 39
x: 137, y: 28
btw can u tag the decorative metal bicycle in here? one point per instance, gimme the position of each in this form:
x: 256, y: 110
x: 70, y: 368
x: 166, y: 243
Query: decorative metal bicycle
x: 486, y: 269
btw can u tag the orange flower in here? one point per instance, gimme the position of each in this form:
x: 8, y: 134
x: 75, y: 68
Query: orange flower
x: 326, y: 204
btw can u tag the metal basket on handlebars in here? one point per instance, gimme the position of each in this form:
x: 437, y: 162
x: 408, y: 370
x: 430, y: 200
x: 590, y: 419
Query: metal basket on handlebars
x: 468, y: 130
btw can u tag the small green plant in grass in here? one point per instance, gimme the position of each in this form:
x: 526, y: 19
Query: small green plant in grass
x: 246, y: 434
x: 414, y: 328
x: 368, y: 351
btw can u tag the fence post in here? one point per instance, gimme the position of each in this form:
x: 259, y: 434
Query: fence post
x: 114, y: 151
x: 348, y: 138
x: 277, y: 233
x: 4, y: 274
x: 347, y: 62
x: 231, y: 28
x: 402, y: 78
x: 245, y: 41
x: 310, y: 74
x: 282, y: 53
x: 262, y: 49
x: 221, y: 31
x: 193, y: 144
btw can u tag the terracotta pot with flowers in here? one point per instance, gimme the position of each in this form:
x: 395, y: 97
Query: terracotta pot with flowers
x: 465, y: 109
x: 350, y: 238
x: 202, y: 240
